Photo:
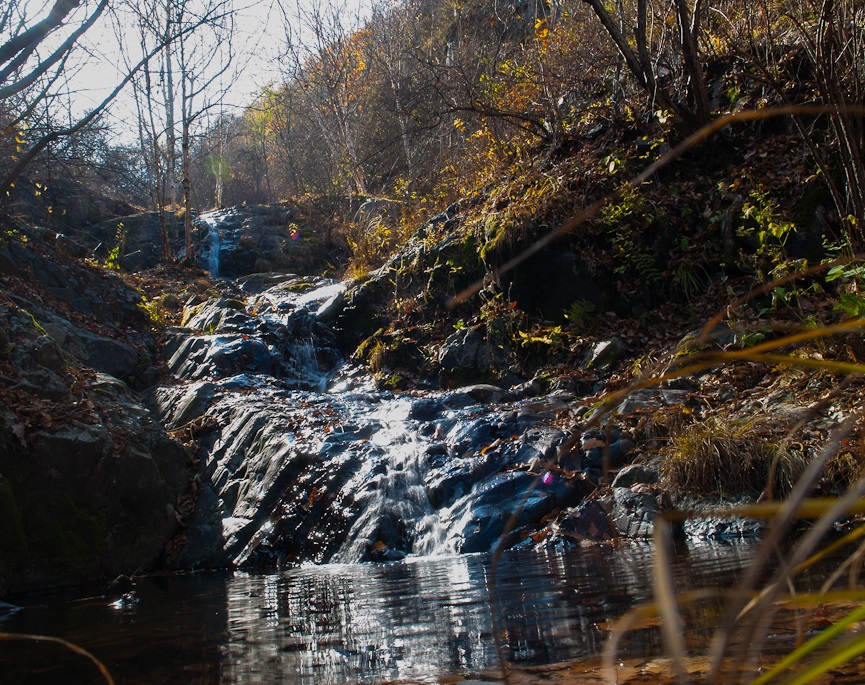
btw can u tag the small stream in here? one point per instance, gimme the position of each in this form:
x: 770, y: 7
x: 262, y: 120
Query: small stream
x: 303, y: 469
x: 421, y: 619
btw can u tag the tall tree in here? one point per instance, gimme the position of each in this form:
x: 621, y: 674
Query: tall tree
x: 172, y: 95
x: 35, y: 111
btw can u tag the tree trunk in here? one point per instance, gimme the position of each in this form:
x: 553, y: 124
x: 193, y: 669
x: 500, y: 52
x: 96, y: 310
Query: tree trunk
x: 688, y: 34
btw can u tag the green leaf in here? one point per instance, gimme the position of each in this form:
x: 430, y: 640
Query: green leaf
x: 851, y: 304
x: 835, y: 272
x: 821, y: 639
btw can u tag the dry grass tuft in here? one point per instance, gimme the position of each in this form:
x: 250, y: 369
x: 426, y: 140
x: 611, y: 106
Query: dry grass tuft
x: 728, y: 457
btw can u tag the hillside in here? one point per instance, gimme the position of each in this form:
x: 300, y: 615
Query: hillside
x: 582, y: 324
x: 702, y: 314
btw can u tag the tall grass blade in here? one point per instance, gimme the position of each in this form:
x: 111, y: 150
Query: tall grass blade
x: 853, y: 563
x: 801, y: 551
x: 71, y: 646
x: 811, y: 646
x: 639, y: 616
x: 780, y: 526
x: 672, y: 624
x: 837, y: 657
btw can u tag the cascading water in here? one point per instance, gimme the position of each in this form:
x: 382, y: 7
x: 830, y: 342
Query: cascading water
x: 303, y: 353
x: 213, y: 243
x: 397, y: 514
x: 301, y: 458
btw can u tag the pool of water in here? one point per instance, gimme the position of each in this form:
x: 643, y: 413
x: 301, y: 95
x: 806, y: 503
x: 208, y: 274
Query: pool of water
x: 420, y: 619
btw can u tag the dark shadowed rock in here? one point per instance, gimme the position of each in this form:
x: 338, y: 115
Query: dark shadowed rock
x: 605, y: 354
x: 588, y: 521
x: 99, y: 499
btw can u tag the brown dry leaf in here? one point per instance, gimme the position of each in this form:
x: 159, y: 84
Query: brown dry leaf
x: 651, y: 622
x: 491, y: 446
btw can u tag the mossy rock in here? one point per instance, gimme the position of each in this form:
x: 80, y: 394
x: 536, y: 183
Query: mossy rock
x: 390, y: 381
x: 301, y: 286
x: 190, y: 313
x: 389, y: 351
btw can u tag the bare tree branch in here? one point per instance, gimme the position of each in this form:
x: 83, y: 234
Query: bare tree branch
x: 44, y: 66
x: 29, y: 40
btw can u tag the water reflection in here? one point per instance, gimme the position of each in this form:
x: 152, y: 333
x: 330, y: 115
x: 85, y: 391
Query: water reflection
x: 416, y: 619
x: 425, y: 617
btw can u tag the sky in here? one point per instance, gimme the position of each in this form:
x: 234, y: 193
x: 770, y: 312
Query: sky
x: 258, y: 38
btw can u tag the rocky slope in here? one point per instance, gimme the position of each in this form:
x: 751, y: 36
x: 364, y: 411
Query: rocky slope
x: 376, y: 418
x: 89, y: 480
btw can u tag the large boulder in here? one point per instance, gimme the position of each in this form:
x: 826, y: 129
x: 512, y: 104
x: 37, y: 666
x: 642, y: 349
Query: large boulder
x: 88, y: 495
x: 475, y: 353
x: 220, y: 356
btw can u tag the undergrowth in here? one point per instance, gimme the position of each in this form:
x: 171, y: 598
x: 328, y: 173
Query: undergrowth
x: 725, y: 457
x: 719, y: 456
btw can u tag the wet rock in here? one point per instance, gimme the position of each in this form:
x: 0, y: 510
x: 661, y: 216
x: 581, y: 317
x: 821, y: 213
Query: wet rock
x: 454, y: 477
x: 221, y: 315
x: 599, y: 454
x: 633, y: 513
x: 636, y: 473
x: 471, y: 436
x: 426, y: 408
x: 219, y: 356
x: 176, y: 406
x: 375, y: 485
x: 604, y: 355
x: 539, y: 445
x: 256, y: 283
x: 486, y: 394
x: 588, y: 521
x: 723, y: 528
x: 481, y: 517
x: 530, y: 388
x: 332, y: 308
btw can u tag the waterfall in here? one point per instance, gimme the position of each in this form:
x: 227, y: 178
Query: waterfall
x: 213, y: 243
x: 303, y: 354
x: 397, y: 514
